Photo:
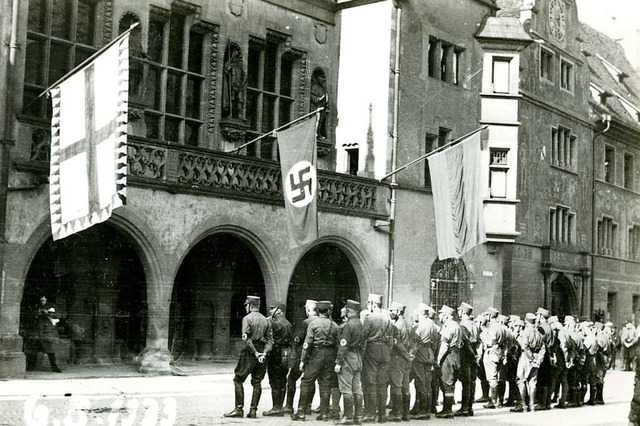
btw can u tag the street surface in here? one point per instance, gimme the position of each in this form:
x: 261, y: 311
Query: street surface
x: 202, y: 399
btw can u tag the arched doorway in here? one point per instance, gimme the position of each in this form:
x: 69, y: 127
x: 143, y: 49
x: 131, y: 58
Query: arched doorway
x: 563, y: 297
x: 451, y: 283
x: 96, y: 282
x: 323, y: 273
x: 207, y: 304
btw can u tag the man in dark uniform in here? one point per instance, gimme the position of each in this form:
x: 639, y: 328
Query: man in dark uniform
x: 317, y: 361
x: 493, y: 340
x: 468, y: 358
x: 43, y: 336
x: 448, y: 358
x: 378, y: 332
x: 544, y: 372
x: 426, y: 338
x: 278, y: 362
x: 400, y: 365
x: 258, y: 339
x: 348, y: 364
x: 295, y: 352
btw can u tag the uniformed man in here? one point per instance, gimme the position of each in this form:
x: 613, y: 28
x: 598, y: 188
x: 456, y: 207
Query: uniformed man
x: 590, y: 371
x: 493, y: 340
x: 562, y: 360
x: 278, y: 360
x: 481, y: 323
x: 533, y: 350
x: 378, y: 332
x: 628, y: 339
x: 317, y: 361
x: 348, y: 364
x: 577, y: 355
x: 258, y: 339
x: 469, y: 357
x: 298, y: 337
x: 544, y: 372
x: 400, y: 365
x: 449, y: 359
x: 601, y: 362
x: 508, y: 346
x: 436, y: 382
x: 426, y: 338
x: 513, y: 357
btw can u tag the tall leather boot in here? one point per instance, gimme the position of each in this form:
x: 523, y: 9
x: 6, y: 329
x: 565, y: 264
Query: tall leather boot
x: 357, y: 409
x: 255, y: 400
x: 347, y: 419
x: 291, y: 393
x: 446, y: 412
x: 334, y: 412
x: 484, y: 385
x: 239, y: 396
x: 599, y: 396
x: 324, y: 405
x: 381, y: 401
x: 583, y: 394
x: 493, y: 394
x: 305, y: 396
x: 370, y: 407
x: 502, y: 386
x: 592, y: 395
x: 276, y: 398
x: 464, y: 406
x: 396, y: 406
x: 406, y: 405
x: 52, y: 362
x: 519, y: 408
x: 542, y: 398
x: 32, y: 358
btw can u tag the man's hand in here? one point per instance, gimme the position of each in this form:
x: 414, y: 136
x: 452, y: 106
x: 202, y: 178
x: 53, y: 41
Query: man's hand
x: 337, y: 368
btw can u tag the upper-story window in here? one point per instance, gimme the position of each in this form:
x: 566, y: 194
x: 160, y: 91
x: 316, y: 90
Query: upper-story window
x: 174, y: 79
x: 547, y: 64
x: 498, y: 169
x: 430, y: 143
x: 563, y: 148
x: 628, y: 171
x: 566, y: 75
x: 444, y: 61
x: 634, y: 243
x: 607, y: 236
x: 609, y: 164
x: 562, y: 224
x: 269, y: 92
x: 61, y: 34
x: 501, y: 74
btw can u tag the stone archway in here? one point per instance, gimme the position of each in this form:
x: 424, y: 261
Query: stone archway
x: 325, y: 272
x: 451, y: 283
x: 207, y: 303
x: 563, y: 297
x: 97, y: 282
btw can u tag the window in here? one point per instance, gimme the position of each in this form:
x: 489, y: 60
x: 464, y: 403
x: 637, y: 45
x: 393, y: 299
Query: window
x: 563, y: 145
x: 546, y: 64
x: 175, y: 80
x: 612, y: 309
x: 561, y: 226
x: 434, y: 57
x: 430, y: 142
x: 500, y: 78
x: 607, y: 236
x: 269, y: 92
x: 566, y: 75
x: 635, y: 307
x: 353, y: 155
x: 633, y: 243
x: 444, y: 136
x: 498, y: 168
x: 628, y: 171
x: 609, y: 164
x: 60, y: 35
x: 444, y: 61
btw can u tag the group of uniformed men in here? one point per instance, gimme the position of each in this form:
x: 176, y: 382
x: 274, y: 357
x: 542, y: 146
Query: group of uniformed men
x: 374, y: 351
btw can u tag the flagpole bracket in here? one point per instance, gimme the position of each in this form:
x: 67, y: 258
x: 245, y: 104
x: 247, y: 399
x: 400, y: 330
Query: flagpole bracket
x: 382, y: 226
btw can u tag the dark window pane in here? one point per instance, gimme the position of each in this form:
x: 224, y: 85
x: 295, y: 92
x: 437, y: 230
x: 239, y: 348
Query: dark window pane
x: 31, y: 107
x: 174, y: 93
x: 191, y: 130
x: 37, y: 10
x: 252, y: 109
x: 251, y: 149
x: 171, y: 129
x: 286, y: 76
x: 176, y: 37
x: 270, y: 65
x: 285, y: 111
x: 86, y: 22
x: 268, y: 113
x: 153, y: 89
x: 193, y: 97
x: 253, y: 68
x: 34, y: 67
x: 61, y: 19
x: 156, y: 39
x: 58, y: 61
x: 82, y: 55
x: 195, y: 52
x: 153, y: 125
x: 135, y: 78
x: 266, y: 148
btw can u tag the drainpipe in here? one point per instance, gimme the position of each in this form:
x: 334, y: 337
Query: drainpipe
x: 606, y: 118
x: 394, y: 156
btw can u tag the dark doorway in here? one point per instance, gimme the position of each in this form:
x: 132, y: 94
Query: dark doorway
x: 563, y: 298
x: 324, y: 273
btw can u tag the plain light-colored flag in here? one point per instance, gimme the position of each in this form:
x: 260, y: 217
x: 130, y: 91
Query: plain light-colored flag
x: 89, y: 142
x: 457, y: 199
x: 297, y: 147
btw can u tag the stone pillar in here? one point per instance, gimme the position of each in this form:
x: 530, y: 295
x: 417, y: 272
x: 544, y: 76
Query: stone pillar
x: 155, y: 358
x: 222, y: 312
x: 12, y: 358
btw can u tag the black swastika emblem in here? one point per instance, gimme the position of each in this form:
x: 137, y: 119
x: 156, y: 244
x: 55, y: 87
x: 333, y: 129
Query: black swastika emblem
x: 301, y: 185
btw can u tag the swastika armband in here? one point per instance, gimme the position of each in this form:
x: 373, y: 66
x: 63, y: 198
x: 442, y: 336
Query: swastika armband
x: 296, y: 339
x: 343, y: 342
x: 244, y: 336
x: 305, y: 345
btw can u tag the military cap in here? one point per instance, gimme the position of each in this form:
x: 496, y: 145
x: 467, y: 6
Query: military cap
x: 252, y: 300
x: 324, y: 304
x: 569, y: 319
x: 553, y: 319
x: 513, y: 318
x: 446, y: 310
x: 502, y: 318
x: 518, y: 322
x: 279, y: 305
x: 423, y: 309
x: 353, y: 305
x: 599, y: 325
x: 608, y: 324
x: 492, y: 312
x: 375, y: 298
x: 310, y: 303
x: 397, y: 305
x: 542, y: 311
x: 466, y: 308
x: 530, y: 317
x: 585, y: 325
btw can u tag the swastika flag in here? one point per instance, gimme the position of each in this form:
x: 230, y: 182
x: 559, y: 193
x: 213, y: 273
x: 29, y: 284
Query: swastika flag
x: 87, y: 179
x: 297, y: 146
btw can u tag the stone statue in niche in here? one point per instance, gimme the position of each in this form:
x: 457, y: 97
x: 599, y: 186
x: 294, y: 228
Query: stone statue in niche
x: 235, y: 81
x: 320, y: 98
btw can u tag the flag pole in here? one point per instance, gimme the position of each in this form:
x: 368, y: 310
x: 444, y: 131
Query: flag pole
x: 84, y: 63
x: 435, y: 151
x: 276, y: 129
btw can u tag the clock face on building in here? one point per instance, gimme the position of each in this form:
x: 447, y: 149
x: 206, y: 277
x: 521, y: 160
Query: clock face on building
x: 557, y: 18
